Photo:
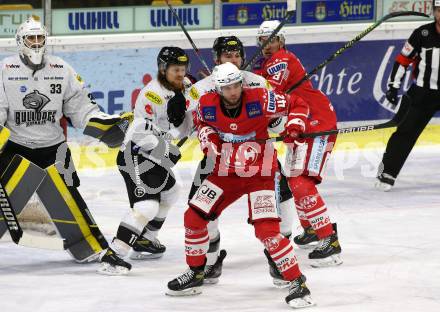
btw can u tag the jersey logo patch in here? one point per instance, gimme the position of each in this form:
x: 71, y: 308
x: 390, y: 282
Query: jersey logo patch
x: 271, y: 105
x: 193, y: 93
x: 272, y: 70
x: 209, y: 113
x: 35, y: 100
x: 253, y: 109
x: 35, y: 115
x: 153, y: 97
x: 79, y: 79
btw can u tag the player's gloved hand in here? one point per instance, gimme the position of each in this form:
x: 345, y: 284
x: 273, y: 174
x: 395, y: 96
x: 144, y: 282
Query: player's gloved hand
x: 391, y: 95
x: 295, y: 126
x: 176, y: 109
x: 209, y: 142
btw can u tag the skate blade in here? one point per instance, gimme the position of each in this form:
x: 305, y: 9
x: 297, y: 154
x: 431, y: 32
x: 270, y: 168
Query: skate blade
x: 107, y: 269
x: 134, y: 255
x: 308, y: 246
x: 187, y: 292
x: 303, y: 302
x: 210, y: 281
x: 280, y: 284
x: 384, y: 187
x: 333, y: 260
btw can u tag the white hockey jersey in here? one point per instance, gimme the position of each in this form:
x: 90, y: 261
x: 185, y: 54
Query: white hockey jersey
x: 151, y: 108
x: 250, y: 80
x: 32, y: 103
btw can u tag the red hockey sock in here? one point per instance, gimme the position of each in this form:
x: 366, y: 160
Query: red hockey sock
x: 280, y: 248
x: 196, y: 238
x: 310, y: 205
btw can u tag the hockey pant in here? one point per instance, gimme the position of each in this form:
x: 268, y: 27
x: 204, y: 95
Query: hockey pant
x: 152, y: 190
x: 216, y: 194
x: 424, y: 104
x: 304, y: 168
x: 284, y: 197
x: 64, y: 205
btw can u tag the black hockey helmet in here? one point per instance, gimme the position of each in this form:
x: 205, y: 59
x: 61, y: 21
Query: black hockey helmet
x: 171, y: 55
x: 227, y: 44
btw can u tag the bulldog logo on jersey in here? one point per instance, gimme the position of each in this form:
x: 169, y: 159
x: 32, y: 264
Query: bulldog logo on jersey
x: 34, y: 115
x: 35, y: 100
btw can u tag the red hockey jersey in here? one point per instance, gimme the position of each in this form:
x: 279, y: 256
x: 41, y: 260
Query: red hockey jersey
x: 244, y: 150
x: 283, y: 69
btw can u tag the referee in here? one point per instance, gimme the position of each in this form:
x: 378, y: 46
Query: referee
x: 422, y: 50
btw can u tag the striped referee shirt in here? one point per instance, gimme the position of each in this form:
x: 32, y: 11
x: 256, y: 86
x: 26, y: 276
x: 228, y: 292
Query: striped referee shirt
x: 423, y: 51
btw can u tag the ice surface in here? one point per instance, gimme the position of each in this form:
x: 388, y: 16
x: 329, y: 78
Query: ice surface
x: 390, y: 251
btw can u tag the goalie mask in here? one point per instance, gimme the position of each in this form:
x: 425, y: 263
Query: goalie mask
x: 31, y: 40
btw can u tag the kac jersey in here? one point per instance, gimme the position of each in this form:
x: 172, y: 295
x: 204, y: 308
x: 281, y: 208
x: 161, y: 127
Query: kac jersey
x: 283, y: 69
x: 33, y: 102
x: 244, y: 150
x: 206, y: 85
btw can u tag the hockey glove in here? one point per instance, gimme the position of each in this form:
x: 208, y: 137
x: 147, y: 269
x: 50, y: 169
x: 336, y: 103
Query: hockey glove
x: 176, y: 109
x: 295, y: 126
x: 391, y: 95
x: 209, y: 142
x: 114, y: 136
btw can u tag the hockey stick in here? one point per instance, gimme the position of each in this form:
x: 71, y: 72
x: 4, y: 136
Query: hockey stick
x: 18, y: 236
x: 398, y: 118
x: 351, y: 43
x: 196, y: 50
x: 291, y: 9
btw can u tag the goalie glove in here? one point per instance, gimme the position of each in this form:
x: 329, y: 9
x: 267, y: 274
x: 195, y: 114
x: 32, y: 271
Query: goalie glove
x: 109, y: 129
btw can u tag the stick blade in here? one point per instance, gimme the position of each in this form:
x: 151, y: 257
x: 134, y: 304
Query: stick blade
x: 291, y: 5
x: 44, y: 242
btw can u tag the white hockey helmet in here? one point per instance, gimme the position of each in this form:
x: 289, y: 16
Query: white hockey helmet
x: 267, y: 28
x: 33, y: 51
x: 225, y: 75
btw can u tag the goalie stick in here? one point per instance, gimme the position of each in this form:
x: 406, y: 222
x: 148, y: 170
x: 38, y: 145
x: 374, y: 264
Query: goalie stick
x: 18, y: 236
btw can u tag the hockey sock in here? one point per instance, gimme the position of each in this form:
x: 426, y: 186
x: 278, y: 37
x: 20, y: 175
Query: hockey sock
x: 311, y: 208
x: 196, y: 238
x: 280, y: 248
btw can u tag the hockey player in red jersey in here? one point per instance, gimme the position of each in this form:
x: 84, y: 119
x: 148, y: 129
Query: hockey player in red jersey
x: 232, y: 129
x: 306, y: 159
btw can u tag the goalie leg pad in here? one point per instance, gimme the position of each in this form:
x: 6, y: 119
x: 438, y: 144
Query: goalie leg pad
x: 71, y: 216
x: 20, y: 180
x: 4, y: 136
